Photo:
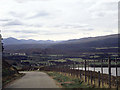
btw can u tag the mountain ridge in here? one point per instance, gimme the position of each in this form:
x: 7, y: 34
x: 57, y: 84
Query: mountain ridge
x: 11, y: 40
x: 70, y: 46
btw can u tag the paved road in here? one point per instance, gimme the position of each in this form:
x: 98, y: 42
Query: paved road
x: 34, y: 80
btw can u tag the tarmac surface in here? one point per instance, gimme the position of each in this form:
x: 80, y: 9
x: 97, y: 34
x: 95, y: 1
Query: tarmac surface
x: 33, y: 79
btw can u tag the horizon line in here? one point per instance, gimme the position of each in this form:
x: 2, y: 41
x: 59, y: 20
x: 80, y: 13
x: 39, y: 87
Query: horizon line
x: 61, y: 40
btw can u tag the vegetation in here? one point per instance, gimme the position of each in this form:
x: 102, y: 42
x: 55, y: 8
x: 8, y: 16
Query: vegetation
x: 106, y: 44
x: 9, y: 73
x: 37, y: 56
x: 67, y: 81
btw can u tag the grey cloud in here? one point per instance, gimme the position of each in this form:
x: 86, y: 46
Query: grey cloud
x: 102, y: 9
x: 42, y: 32
x: 16, y: 14
x: 108, y: 31
x: 72, y: 26
x: 86, y: 29
x: 34, y: 25
x: 18, y: 23
x: 5, y: 20
x: 29, y: 31
x: 13, y: 23
x: 25, y: 36
x: 104, y: 6
x: 111, y: 5
x: 80, y: 27
x: 24, y: 1
x: 89, y: 29
x: 101, y: 14
x: 39, y: 14
x: 57, y: 33
x: 24, y: 31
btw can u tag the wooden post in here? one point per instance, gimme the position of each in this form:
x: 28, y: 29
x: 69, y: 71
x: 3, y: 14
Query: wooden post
x: 98, y: 78
x: 73, y: 66
x: 71, y: 70
x: 94, y: 69
x: 91, y: 77
x: 80, y: 74
x: 85, y: 71
x: 102, y: 71
x: 78, y: 71
x: 116, y: 74
x: 109, y: 70
x: 88, y: 65
x: 88, y: 72
x: 82, y: 64
x: 74, y: 69
x: 65, y: 70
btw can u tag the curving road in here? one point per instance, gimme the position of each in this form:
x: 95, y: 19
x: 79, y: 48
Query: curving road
x: 34, y: 80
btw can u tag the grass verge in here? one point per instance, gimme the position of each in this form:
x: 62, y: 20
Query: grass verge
x: 67, y: 81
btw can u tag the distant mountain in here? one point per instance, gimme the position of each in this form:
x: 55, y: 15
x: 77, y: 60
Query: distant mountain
x: 90, y: 39
x: 12, y: 41
x: 89, y: 44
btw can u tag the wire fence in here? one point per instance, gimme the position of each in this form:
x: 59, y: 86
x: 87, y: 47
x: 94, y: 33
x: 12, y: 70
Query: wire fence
x: 91, y: 77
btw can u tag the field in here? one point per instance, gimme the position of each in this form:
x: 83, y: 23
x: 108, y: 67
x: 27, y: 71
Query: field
x: 41, y: 60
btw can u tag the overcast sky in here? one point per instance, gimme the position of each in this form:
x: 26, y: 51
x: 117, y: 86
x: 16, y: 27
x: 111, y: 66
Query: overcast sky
x: 58, y: 19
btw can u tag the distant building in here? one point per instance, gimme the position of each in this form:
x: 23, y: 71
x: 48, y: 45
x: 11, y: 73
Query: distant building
x: 21, y: 54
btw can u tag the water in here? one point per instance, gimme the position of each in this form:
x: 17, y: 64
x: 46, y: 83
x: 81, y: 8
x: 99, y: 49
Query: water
x: 105, y: 70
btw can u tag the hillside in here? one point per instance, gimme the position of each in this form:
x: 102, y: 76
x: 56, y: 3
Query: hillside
x: 107, y: 43
x: 89, y: 44
x: 8, y: 72
x: 12, y: 41
x: 7, y: 69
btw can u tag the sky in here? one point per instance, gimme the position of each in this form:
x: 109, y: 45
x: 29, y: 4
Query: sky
x: 58, y: 19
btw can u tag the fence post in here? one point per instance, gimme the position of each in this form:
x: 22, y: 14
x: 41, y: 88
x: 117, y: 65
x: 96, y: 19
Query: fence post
x: 98, y: 78
x: 88, y: 72
x: 82, y: 64
x: 85, y: 71
x: 88, y: 65
x: 102, y: 71
x: 91, y: 77
x: 78, y: 71
x: 116, y: 74
x: 94, y: 69
x: 65, y: 70
x: 75, y: 74
x: 72, y: 69
x: 109, y: 69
